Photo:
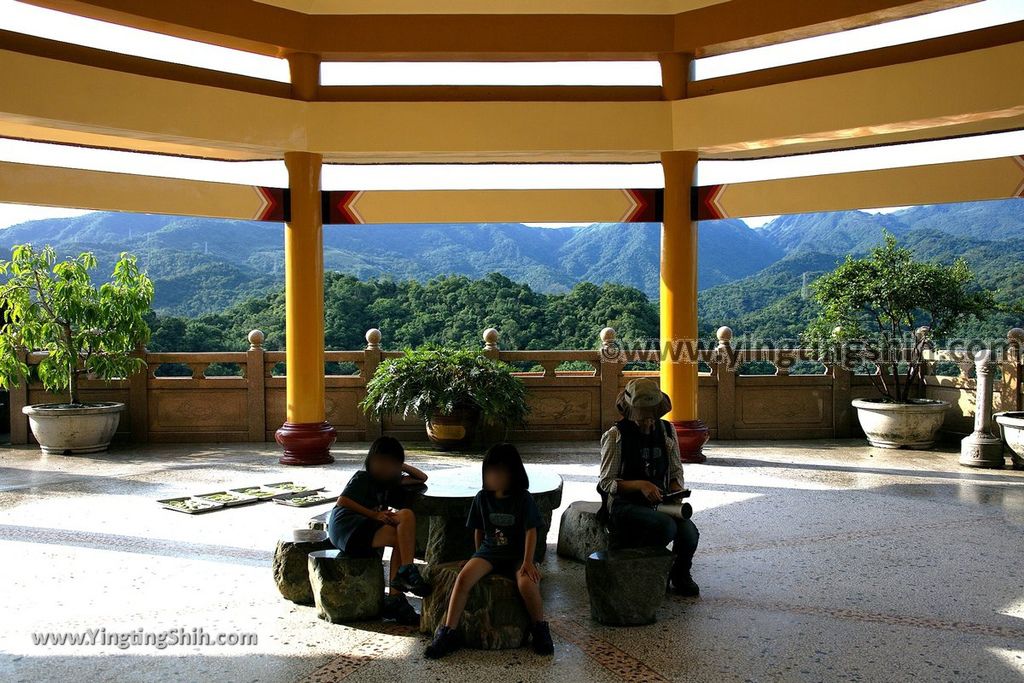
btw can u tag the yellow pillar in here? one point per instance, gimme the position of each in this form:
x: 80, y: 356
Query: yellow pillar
x: 678, y: 304
x: 306, y: 436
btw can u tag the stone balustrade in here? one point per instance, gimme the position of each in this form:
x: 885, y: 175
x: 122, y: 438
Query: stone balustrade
x: 240, y: 396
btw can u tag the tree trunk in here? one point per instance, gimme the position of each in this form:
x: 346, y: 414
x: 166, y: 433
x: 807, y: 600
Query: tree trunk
x: 73, y: 384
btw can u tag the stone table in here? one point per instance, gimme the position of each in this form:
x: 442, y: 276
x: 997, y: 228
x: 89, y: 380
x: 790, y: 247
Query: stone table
x: 449, y: 495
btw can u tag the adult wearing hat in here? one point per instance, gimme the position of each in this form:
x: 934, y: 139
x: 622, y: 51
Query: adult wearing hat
x: 640, y: 463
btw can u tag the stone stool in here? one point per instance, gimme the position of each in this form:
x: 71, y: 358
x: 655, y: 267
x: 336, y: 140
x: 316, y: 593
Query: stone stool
x: 291, y: 565
x: 346, y: 589
x: 626, y: 587
x: 580, y: 532
x: 495, y: 616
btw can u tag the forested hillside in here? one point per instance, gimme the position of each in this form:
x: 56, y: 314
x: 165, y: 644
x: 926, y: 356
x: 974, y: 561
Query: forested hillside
x: 215, y: 280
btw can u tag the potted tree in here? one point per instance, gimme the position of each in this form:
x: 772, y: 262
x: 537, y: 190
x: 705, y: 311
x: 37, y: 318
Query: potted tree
x: 453, y: 390
x: 883, y: 310
x: 53, y: 306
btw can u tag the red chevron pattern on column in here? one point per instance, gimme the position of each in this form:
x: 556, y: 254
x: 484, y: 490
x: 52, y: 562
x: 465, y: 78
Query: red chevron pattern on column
x: 706, y: 205
x: 339, y: 207
x: 275, y: 205
x: 648, y: 206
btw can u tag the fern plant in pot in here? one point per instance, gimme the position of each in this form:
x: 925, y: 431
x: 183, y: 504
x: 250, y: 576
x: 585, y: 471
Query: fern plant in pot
x: 882, y: 310
x: 80, y: 329
x: 452, y: 390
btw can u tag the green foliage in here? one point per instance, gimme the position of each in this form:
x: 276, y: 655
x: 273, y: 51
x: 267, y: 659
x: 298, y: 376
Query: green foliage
x: 446, y: 310
x: 444, y: 380
x: 53, y: 306
x: 891, y: 305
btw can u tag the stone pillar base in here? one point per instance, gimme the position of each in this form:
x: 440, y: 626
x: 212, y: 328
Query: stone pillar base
x: 692, y: 435
x: 982, y: 451
x: 306, y: 443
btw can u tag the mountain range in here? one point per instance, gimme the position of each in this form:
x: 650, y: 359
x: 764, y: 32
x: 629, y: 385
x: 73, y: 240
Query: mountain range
x: 752, y: 279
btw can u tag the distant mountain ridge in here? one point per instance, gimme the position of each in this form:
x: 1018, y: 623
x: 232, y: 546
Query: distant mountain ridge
x: 201, y: 265
x: 751, y: 279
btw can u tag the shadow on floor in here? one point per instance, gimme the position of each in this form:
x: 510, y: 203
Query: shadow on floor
x: 134, y: 544
x: 854, y: 469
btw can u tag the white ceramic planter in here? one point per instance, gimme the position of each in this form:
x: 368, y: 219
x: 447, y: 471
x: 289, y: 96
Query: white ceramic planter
x: 62, y: 429
x: 901, y: 425
x: 1011, y: 428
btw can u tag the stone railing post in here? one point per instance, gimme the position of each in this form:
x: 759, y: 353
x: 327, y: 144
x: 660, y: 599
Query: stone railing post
x: 255, y: 382
x: 138, y: 400
x: 1010, y: 390
x: 371, y: 359
x: 982, y: 448
x: 19, y: 399
x: 725, y: 372
x: 612, y: 362
x: 491, y: 339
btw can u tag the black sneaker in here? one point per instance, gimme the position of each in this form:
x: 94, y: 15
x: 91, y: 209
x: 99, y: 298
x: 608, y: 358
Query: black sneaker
x: 445, y: 642
x: 398, y: 609
x: 541, y: 635
x: 685, y: 586
x: 409, y: 580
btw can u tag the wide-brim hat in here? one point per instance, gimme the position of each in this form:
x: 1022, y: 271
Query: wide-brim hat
x: 643, y: 398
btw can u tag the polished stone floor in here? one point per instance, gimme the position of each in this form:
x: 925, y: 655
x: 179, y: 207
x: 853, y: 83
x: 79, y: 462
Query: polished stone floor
x: 819, y: 561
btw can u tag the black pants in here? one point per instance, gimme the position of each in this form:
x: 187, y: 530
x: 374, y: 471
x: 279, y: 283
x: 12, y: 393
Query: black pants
x: 638, y: 526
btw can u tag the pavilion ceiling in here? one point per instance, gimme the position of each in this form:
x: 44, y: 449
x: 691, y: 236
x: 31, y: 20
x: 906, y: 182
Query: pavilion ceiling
x: 705, y: 28
x: 962, y: 84
x: 975, y: 91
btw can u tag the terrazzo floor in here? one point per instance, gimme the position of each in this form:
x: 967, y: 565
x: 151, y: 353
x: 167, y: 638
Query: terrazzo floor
x: 819, y: 561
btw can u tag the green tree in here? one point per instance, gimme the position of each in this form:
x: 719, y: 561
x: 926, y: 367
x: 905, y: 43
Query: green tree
x: 54, y: 307
x: 889, y: 306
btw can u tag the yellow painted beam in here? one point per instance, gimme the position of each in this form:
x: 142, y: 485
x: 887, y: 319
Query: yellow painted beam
x: 967, y: 181
x: 495, y: 206
x: 489, y: 129
x: 74, y: 188
x: 50, y: 93
x: 924, y: 97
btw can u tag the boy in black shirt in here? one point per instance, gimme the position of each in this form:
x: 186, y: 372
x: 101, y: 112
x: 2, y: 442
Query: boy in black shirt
x: 371, y: 515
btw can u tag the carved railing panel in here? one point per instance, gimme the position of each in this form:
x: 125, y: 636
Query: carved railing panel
x: 742, y: 393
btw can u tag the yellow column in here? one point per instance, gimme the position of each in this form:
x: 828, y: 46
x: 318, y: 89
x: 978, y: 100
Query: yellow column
x: 305, y: 436
x: 678, y: 304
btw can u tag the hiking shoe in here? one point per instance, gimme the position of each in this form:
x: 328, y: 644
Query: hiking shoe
x: 541, y: 635
x: 409, y: 580
x: 398, y: 609
x: 446, y: 641
x: 685, y: 586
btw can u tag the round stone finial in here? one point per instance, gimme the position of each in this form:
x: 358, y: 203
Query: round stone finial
x: 256, y: 338
x: 491, y: 338
x: 923, y: 332
x: 373, y: 338
x: 608, y: 335
x: 1016, y: 335
x: 724, y: 335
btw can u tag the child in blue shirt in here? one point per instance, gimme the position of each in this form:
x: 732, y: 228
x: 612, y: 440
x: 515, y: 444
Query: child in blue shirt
x: 371, y: 514
x: 504, y: 519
